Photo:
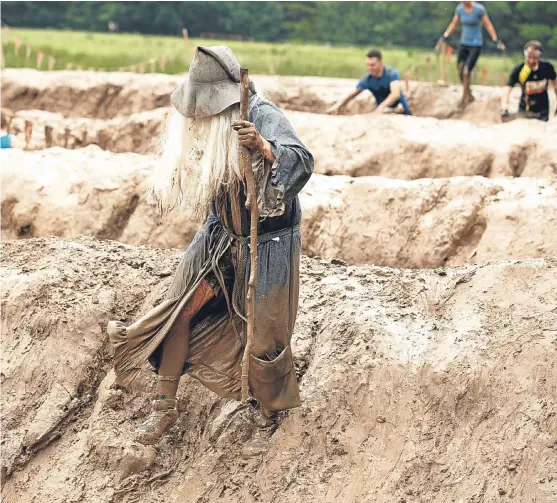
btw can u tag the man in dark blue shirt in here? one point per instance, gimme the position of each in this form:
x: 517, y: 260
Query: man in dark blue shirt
x: 383, y: 82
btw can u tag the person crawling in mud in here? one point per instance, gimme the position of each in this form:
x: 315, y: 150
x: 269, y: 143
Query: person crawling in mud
x: 471, y: 15
x: 385, y: 85
x: 199, y: 328
x: 533, y: 75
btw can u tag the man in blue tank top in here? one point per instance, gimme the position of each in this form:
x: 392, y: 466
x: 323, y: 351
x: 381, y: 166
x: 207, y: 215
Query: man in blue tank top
x: 381, y: 81
x: 472, y: 15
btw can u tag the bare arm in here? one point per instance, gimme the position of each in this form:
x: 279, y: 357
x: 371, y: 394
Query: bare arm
x: 505, y: 97
x: 489, y: 27
x: 452, y: 26
x: 393, y: 97
x: 554, y: 84
x: 337, y: 106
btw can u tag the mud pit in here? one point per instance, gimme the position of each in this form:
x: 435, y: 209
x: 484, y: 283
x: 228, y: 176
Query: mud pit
x: 429, y: 385
x: 416, y: 386
x: 107, y: 95
x: 392, y: 146
x: 421, y: 223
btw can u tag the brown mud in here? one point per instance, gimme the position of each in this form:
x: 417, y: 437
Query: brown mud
x: 113, y: 94
x: 391, y: 146
x: 428, y: 382
x: 417, y: 386
x: 398, y: 223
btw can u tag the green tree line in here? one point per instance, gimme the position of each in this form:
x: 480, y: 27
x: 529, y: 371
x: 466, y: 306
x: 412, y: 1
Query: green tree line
x: 409, y: 24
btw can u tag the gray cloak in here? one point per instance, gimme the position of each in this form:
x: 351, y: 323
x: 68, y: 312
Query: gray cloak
x: 217, y: 333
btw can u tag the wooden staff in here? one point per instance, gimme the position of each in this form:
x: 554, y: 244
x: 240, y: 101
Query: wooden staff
x: 28, y: 132
x: 67, y: 132
x: 251, y: 204
x: 17, y: 45
x: 186, y: 38
x: 102, y: 138
x: 48, y: 136
x: 443, y: 62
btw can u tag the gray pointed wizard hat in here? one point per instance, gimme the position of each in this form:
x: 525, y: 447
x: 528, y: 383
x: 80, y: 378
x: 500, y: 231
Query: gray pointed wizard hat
x: 212, y: 84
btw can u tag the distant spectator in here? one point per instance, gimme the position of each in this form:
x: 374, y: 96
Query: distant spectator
x: 533, y: 76
x: 113, y: 27
x: 383, y: 82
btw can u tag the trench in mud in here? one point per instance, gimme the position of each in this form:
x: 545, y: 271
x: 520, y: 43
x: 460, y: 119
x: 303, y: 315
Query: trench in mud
x: 375, y: 347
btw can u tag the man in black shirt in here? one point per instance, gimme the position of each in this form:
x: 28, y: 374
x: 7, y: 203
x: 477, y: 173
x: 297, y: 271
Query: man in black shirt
x: 533, y: 76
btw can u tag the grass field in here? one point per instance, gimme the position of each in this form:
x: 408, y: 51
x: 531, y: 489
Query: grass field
x: 113, y: 51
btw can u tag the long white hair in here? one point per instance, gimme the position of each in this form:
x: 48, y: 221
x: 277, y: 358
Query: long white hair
x: 197, y: 159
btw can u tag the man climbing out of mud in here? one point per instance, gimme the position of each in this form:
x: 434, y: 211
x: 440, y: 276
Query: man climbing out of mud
x: 385, y: 85
x: 533, y: 75
x: 471, y: 15
x: 199, y: 328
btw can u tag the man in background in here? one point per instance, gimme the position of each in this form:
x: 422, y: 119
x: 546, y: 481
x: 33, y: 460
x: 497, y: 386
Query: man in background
x: 533, y: 75
x: 385, y: 85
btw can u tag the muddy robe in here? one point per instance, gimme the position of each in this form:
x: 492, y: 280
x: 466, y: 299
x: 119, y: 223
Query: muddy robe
x: 217, y: 333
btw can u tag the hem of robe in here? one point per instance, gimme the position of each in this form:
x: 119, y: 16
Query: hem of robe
x: 272, y: 382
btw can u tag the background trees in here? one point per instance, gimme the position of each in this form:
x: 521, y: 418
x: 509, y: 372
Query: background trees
x: 409, y: 24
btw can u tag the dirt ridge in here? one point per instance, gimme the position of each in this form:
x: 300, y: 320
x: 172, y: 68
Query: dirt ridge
x: 411, y: 382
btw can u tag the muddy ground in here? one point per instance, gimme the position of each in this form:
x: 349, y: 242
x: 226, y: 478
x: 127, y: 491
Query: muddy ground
x: 417, y: 386
x: 432, y: 381
x: 363, y: 145
x: 398, y: 223
x: 107, y: 95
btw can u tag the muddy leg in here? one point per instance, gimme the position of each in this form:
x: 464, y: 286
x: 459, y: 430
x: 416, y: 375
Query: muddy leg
x: 176, y: 345
x: 463, y: 75
x: 174, y: 356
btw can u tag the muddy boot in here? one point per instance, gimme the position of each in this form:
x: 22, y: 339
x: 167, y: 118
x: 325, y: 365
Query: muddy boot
x: 266, y: 423
x: 163, y: 415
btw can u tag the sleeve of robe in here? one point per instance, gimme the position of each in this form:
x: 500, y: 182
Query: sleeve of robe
x: 279, y: 181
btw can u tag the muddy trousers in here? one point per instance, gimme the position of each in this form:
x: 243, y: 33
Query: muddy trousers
x: 176, y: 345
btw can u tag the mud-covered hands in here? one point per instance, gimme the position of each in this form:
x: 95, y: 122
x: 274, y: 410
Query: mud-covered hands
x: 249, y: 137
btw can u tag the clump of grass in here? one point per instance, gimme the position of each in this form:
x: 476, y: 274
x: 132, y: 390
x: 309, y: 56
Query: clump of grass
x: 112, y: 51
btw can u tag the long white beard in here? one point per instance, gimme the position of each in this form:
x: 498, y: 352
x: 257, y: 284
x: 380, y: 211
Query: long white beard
x: 198, y: 159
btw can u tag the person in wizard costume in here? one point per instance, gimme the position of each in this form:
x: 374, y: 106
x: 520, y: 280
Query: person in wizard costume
x: 199, y: 328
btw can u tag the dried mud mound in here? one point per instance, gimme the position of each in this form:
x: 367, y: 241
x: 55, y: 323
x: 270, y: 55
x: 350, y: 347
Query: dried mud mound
x: 429, y: 222
x: 86, y: 94
x: 417, y: 147
x: 107, y: 95
x: 420, y: 223
x: 417, y: 386
x: 57, y: 192
x: 405, y: 147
